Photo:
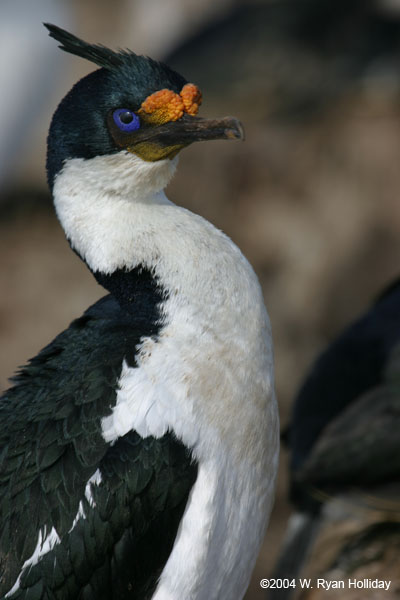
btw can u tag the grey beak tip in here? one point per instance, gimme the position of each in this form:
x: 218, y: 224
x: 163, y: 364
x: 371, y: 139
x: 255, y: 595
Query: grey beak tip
x: 235, y: 129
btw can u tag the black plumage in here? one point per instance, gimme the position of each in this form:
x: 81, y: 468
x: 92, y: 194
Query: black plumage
x: 96, y: 53
x: 50, y: 436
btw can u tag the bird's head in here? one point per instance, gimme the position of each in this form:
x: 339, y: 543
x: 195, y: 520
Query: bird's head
x: 132, y: 105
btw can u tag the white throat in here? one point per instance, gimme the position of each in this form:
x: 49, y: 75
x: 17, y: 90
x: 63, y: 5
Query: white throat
x: 208, y: 376
x: 97, y: 202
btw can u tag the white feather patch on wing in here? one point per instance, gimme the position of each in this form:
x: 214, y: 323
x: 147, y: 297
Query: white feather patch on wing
x: 46, y: 542
x: 95, y: 479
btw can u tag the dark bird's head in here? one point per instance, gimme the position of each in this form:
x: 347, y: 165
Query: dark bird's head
x: 132, y: 104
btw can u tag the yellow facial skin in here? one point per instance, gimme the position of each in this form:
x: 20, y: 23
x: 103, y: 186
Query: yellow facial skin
x: 152, y: 152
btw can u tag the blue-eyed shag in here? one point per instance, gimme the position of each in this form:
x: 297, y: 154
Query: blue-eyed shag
x: 139, y: 449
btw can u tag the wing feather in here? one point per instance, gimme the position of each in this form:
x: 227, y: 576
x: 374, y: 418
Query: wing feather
x: 80, y: 517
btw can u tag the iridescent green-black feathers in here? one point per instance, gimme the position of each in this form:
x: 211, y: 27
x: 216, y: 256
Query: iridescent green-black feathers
x: 96, y: 53
x: 111, y: 511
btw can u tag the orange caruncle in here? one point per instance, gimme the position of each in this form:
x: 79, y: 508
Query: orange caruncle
x: 162, y: 106
x: 191, y: 96
x: 165, y: 105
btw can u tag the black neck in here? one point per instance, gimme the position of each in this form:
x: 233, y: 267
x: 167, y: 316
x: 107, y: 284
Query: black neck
x: 137, y: 291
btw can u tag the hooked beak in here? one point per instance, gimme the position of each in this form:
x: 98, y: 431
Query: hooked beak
x: 189, y: 129
x: 158, y: 142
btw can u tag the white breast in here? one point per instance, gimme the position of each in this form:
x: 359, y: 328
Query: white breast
x: 208, y: 377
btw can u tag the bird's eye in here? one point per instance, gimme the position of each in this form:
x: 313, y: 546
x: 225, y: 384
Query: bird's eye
x: 126, y: 120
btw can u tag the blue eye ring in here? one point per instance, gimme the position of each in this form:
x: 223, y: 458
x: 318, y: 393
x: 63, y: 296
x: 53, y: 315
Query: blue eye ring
x: 126, y: 120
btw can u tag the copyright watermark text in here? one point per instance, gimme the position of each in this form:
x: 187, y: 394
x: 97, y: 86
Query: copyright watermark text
x: 326, y: 584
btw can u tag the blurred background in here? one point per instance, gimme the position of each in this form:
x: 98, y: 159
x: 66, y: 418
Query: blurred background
x: 311, y: 197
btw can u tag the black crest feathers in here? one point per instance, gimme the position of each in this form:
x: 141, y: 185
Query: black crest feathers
x: 96, y: 53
